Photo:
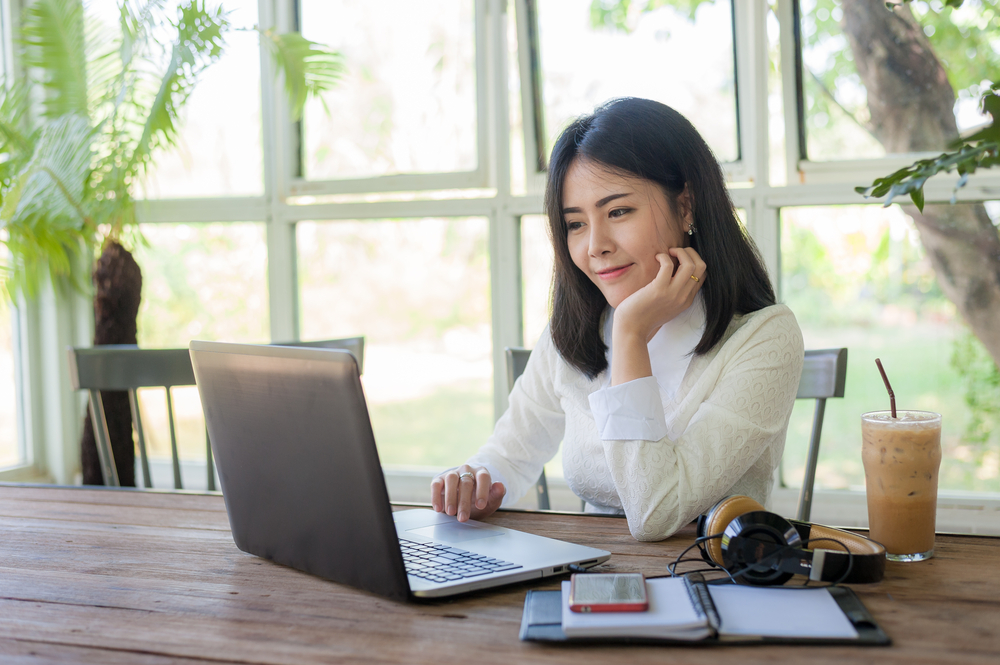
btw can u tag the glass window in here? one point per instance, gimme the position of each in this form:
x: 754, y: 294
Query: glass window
x: 419, y: 291
x: 203, y: 281
x: 591, y: 51
x: 10, y: 451
x: 857, y: 277
x: 219, y: 147
x: 407, y: 103
x: 199, y: 281
x: 536, y: 277
x: 873, y: 87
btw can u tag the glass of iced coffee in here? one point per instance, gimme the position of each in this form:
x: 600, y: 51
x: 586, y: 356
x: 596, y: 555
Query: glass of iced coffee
x: 902, y: 456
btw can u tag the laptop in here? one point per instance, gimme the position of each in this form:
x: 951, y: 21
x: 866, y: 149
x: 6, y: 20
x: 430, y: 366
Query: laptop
x: 303, y: 484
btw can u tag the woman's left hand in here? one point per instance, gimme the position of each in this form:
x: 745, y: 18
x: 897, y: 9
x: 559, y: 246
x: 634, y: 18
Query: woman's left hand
x: 671, y: 292
x: 639, y: 316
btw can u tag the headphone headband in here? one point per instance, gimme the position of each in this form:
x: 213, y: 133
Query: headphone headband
x: 768, y: 549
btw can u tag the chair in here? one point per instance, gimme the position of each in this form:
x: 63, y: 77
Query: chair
x: 824, y: 374
x: 128, y: 368
x: 517, y: 359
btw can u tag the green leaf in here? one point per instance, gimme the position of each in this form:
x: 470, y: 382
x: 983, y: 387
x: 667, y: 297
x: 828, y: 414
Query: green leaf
x: 44, y: 211
x: 917, y: 196
x: 309, y: 68
x: 52, y: 36
x: 198, y: 44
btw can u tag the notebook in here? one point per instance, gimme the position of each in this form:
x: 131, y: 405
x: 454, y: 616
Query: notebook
x: 303, y: 484
x: 687, y: 609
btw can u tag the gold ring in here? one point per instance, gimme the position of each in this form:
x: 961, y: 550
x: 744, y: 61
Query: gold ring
x: 467, y: 474
x: 695, y: 278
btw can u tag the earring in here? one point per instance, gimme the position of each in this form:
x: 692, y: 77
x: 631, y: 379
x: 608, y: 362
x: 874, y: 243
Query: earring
x: 691, y: 230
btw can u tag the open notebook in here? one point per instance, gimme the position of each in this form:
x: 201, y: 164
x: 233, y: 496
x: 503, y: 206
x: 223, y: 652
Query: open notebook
x: 686, y: 609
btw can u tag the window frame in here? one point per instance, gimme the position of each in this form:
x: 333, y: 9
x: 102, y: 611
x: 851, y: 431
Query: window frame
x: 296, y: 185
x: 53, y: 414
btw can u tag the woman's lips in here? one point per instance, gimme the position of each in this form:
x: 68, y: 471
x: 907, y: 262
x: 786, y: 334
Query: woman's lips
x: 611, y: 273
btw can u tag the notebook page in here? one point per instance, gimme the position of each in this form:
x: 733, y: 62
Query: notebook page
x: 670, y: 614
x: 773, y: 612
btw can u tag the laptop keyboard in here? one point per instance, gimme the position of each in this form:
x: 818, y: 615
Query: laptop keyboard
x: 440, y: 563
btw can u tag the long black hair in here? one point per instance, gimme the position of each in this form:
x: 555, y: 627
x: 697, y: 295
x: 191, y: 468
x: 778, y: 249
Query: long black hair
x: 647, y: 139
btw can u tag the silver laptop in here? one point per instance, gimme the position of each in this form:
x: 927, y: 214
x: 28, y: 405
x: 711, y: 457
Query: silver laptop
x: 304, y: 487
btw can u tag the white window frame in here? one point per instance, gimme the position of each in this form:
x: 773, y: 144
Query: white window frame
x: 295, y: 185
x: 53, y: 415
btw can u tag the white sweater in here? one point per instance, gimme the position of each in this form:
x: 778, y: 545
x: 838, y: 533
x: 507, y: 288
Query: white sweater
x: 725, y: 429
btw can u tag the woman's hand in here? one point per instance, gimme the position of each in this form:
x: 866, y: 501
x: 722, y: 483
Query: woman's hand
x: 639, y: 316
x: 467, y: 491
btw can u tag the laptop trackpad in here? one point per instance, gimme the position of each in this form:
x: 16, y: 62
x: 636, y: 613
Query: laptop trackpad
x: 456, y: 532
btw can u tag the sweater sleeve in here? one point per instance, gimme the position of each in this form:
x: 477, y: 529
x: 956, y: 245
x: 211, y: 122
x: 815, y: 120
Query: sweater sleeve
x: 739, y: 407
x: 528, y: 434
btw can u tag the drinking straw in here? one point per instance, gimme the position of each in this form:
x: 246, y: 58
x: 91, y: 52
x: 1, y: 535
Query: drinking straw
x: 885, y: 379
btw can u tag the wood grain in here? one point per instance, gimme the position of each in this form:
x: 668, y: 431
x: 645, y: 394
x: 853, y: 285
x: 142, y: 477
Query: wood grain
x: 112, y: 576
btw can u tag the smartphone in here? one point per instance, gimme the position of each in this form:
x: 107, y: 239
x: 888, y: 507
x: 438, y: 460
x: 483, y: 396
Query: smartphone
x: 608, y: 592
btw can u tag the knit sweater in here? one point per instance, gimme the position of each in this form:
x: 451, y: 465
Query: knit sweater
x: 725, y: 429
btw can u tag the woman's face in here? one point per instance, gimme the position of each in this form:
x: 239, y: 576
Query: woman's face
x: 616, y: 225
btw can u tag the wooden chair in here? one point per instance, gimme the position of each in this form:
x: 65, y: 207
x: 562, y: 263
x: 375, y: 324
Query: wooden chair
x: 128, y: 368
x: 824, y: 374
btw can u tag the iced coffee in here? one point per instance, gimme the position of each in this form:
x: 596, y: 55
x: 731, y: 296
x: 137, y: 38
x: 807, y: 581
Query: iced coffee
x: 902, y: 456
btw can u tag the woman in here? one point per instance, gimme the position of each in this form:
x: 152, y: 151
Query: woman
x: 667, y: 370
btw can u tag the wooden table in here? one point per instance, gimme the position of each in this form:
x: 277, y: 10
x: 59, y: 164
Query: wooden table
x: 112, y: 576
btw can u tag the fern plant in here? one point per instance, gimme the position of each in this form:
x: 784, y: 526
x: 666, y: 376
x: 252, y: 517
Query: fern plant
x: 94, y: 107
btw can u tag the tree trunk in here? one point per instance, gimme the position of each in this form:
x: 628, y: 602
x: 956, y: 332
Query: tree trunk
x: 912, y: 109
x: 118, y: 286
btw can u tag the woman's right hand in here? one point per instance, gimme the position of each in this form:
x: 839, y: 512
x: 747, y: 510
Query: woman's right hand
x: 466, y: 492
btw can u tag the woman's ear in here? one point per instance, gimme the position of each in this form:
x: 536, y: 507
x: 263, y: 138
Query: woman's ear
x: 685, y: 208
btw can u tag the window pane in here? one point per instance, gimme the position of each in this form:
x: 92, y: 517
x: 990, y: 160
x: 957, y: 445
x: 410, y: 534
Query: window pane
x: 419, y: 291
x: 407, y: 103
x: 219, y: 147
x: 536, y: 277
x: 857, y: 277
x: 10, y: 452
x: 199, y: 281
x: 685, y: 61
x: 203, y: 281
x: 843, y: 117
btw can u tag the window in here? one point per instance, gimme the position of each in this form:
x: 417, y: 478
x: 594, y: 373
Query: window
x: 408, y: 101
x: 857, y: 276
x: 406, y: 206
x: 590, y: 52
x: 419, y: 291
x: 10, y: 449
x: 860, y: 69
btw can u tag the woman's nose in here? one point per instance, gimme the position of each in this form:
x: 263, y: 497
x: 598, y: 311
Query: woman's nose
x: 601, y: 241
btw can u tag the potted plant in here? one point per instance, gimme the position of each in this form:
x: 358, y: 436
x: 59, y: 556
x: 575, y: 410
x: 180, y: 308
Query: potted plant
x: 81, y: 128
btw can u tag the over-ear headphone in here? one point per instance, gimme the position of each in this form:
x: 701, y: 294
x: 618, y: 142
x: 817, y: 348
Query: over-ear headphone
x: 763, y: 548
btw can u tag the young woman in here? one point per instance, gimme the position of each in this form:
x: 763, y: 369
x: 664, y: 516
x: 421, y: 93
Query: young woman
x: 667, y: 370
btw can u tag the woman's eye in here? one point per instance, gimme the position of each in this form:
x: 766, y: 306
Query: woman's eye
x: 573, y: 226
x: 618, y: 212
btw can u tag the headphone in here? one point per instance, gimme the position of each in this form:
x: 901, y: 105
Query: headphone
x: 762, y: 548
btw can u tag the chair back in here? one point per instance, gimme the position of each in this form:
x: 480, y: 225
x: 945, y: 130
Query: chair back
x: 824, y: 375
x: 128, y: 368
x: 517, y: 359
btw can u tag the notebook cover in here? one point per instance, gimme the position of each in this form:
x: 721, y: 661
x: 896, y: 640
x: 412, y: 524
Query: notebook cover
x: 542, y: 622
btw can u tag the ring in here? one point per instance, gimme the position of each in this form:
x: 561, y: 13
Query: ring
x: 695, y: 278
x: 467, y: 474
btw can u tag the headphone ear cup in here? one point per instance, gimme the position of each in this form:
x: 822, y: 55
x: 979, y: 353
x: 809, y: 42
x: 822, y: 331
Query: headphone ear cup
x: 755, y: 544
x: 719, y: 517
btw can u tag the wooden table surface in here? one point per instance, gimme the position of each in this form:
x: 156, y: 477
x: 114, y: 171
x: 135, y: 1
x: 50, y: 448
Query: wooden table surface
x: 111, y: 576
